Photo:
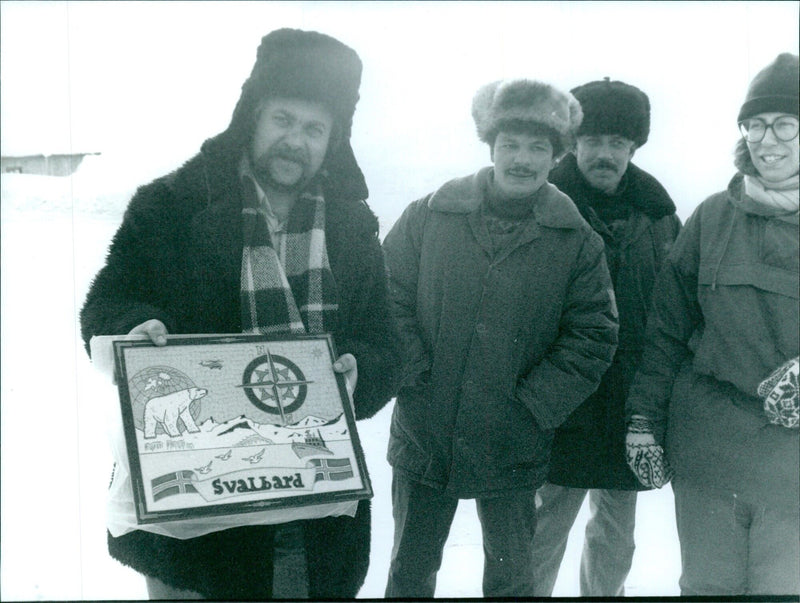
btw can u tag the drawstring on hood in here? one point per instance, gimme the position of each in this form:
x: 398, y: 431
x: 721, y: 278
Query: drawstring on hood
x: 724, y: 248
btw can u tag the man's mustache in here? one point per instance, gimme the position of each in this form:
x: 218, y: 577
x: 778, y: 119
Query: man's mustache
x: 603, y: 164
x: 520, y: 172
x: 289, y: 154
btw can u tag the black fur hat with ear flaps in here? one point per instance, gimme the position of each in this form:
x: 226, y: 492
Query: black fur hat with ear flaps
x: 315, y: 67
x: 614, y: 107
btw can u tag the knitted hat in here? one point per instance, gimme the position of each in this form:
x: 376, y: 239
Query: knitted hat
x: 315, y: 67
x: 527, y: 101
x: 774, y: 89
x: 614, y: 108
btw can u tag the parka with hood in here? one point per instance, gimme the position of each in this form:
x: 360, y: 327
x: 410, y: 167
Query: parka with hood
x: 726, y: 314
x: 177, y: 258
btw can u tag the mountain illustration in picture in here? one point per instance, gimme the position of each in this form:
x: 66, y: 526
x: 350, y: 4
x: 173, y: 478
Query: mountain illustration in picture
x: 164, y: 401
x: 311, y: 433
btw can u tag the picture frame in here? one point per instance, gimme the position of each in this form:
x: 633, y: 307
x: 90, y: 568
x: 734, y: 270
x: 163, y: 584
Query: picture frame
x: 230, y: 424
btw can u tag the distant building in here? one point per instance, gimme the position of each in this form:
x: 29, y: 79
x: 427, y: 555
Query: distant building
x: 44, y: 165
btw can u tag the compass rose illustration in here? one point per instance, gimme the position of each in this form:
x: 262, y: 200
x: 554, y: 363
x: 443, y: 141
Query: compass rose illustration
x: 275, y: 384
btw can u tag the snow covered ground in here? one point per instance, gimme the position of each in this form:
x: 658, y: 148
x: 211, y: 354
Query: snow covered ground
x: 55, y: 412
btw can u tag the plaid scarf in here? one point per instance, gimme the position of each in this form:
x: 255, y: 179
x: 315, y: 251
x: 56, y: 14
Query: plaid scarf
x: 293, y: 291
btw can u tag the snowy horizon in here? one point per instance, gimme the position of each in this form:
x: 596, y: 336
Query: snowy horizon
x: 109, y: 77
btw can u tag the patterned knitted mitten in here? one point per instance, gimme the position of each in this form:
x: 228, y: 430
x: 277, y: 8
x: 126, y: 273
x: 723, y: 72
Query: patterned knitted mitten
x: 646, y: 458
x: 780, y: 395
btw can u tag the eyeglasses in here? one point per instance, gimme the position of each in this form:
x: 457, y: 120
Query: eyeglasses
x: 754, y: 130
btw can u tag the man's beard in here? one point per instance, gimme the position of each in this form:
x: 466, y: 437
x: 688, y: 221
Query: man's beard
x: 261, y: 169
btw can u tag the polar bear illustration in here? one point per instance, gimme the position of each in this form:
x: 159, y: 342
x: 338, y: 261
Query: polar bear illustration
x: 165, y: 410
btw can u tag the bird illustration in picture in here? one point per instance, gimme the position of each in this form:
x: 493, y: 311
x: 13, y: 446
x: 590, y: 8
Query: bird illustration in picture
x: 205, y: 469
x: 255, y: 458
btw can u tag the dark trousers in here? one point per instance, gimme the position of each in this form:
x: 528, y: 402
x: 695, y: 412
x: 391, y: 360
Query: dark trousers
x: 422, y: 519
x: 730, y: 547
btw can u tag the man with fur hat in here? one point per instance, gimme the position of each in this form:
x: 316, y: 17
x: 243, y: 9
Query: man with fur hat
x: 507, y: 317
x: 204, y: 250
x: 635, y: 216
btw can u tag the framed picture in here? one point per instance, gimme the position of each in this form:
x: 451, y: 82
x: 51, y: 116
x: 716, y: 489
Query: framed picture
x: 220, y: 425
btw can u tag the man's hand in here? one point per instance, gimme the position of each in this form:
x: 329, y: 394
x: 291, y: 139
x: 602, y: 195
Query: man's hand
x: 646, y: 458
x: 155, y: 330
x: 346, y: 363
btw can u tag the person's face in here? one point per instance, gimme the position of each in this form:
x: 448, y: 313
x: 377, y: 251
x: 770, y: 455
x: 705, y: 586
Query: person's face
x: 603, y: 159
x: 522, y: 163
x: 290, y: 142
x: 775, y: 159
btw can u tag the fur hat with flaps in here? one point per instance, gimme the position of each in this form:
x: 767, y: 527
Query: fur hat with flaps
x: 526, y: 101
x: 613, y: 107
x: 311, y: 66
x: 774, y: 89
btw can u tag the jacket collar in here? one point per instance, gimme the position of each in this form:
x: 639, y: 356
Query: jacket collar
x: 464, y: 195
x: 641, y: 190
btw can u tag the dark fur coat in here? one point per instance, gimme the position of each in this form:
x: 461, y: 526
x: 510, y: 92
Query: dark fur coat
x: 177, y: 258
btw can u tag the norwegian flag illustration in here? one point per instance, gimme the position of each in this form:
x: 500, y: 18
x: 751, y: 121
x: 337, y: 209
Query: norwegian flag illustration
x: 331, y: 469
x: 170, y: 484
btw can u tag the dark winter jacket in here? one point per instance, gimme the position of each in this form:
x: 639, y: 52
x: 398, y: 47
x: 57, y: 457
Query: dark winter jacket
x: 499, y: 348
x: 726, y: 314
x: 589, y: 448
x: 177, y: 258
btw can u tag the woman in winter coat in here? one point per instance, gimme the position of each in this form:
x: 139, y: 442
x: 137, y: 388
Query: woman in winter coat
x: 718, y: 383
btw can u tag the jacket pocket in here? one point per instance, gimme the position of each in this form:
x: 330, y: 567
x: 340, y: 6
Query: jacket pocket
x: 778, y: 245
x: 761, y: 275
x: 409, y: 431
x: 406, y: 449
x: 513, y: 436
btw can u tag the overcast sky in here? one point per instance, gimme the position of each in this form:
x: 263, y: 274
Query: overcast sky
x: 145, y: 83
